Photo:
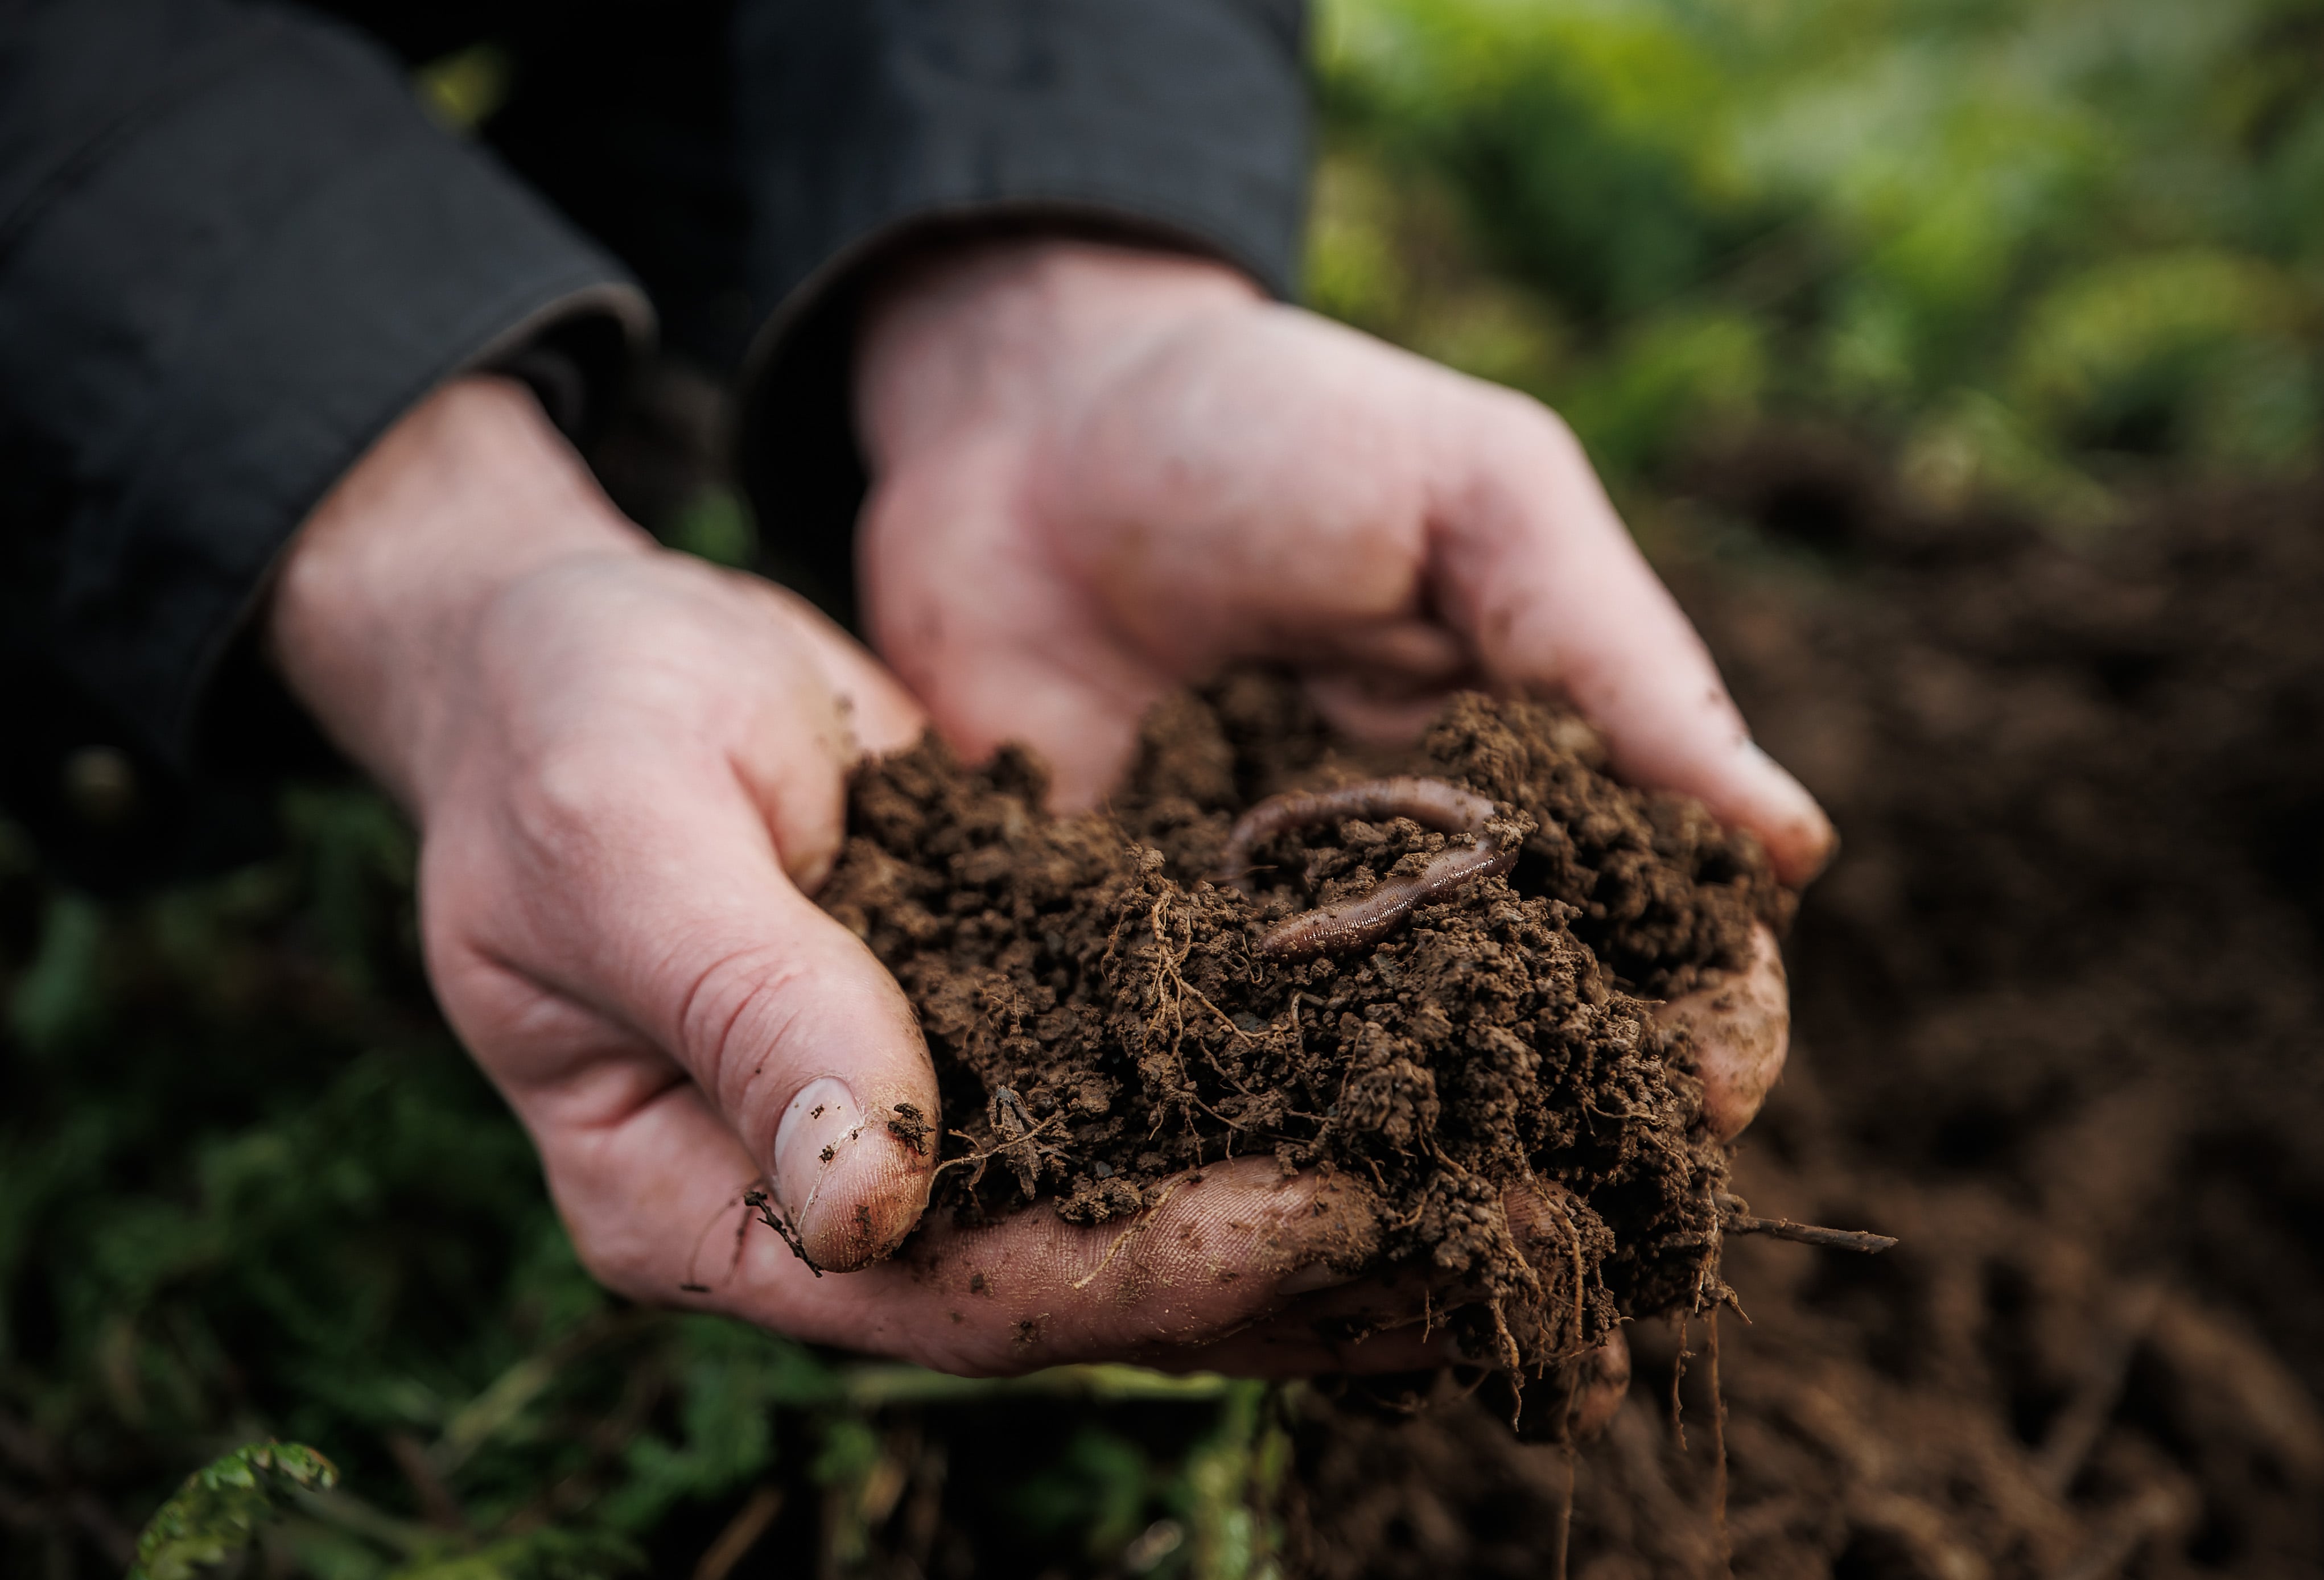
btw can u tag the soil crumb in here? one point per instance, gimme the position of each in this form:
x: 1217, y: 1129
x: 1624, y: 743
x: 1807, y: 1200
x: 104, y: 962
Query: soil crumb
x: 1106, y: 1008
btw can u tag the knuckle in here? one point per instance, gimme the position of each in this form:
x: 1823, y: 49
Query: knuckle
x: 1522, y: 432
x: 1548, y: 435
x: 572, y: 789
x: 566, y: 812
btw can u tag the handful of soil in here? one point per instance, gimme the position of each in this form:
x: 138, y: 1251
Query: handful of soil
x: 1432, y: 971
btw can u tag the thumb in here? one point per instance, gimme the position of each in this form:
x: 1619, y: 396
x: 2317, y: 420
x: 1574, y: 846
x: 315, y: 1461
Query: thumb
x: 664, y: 947
x: 1538, y: 569
x: 785, y: 1019
x: 810, y: 1053
x: 667, y: 932
x: 623, y: 919
x: 1025, y: 657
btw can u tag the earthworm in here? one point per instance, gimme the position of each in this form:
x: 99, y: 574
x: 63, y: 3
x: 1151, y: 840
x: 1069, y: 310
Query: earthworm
x: 1353, y: 923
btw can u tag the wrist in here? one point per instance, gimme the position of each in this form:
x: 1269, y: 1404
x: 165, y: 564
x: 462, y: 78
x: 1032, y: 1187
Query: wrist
x: 379, y: 598
x: 1009, y: 329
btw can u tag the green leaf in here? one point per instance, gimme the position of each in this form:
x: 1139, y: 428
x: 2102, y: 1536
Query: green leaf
x: 224, y: 1505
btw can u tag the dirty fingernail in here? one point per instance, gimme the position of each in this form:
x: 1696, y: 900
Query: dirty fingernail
x: 851, y: 1185
x: 820, y: 1124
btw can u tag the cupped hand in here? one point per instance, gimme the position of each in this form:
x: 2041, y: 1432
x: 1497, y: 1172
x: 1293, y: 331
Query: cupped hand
x: 628, y: 771
x: 1100, y: 475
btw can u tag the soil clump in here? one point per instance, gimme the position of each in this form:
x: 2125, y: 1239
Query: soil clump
x: 2057, y: 1015
x: 1176, y: 979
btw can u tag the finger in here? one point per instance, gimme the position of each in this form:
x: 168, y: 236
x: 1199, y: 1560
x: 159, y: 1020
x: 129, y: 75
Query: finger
x: 1020, y: 658
x: 882, y: 715
x: 1402, y: 1316
x: 1537, y: 568
x: 1206, y: 1262
x: 1212, y: 1256
x: 708, y: 959
x: 625, y: 903
x: 1400, y: 1319
x: 1197, y: 1284
x: 1741, y: 1027
x: 1208, y: 507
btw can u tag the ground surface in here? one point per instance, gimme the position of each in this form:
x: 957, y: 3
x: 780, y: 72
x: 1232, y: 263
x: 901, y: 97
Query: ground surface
x: 2057, y: 1027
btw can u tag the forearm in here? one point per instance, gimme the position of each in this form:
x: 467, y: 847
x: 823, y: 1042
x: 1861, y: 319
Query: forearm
x: 374, y: 618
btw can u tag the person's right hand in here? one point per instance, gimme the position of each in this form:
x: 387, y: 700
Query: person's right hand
x: 628, y: 772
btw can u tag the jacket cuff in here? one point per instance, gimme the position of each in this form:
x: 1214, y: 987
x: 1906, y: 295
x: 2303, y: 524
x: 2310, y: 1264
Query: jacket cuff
x: 224, y: 293
x: 868, y: 129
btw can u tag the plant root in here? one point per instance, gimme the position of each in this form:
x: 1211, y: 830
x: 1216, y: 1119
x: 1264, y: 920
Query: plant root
x: 1737, y: 1220
x: 764, y: 1202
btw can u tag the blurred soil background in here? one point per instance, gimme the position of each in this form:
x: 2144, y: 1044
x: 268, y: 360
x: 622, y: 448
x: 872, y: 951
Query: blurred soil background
x: 1959, y: 364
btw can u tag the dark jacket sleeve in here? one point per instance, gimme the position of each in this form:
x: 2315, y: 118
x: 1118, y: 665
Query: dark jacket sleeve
x: 232, y: 253
x: 865, y: 125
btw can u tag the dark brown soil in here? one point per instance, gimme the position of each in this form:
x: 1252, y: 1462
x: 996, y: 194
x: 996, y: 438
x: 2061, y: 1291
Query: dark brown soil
x: 1102, y: 1020
x: 2058, y: 1025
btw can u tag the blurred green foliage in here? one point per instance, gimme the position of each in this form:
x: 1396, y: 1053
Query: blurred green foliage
x: 250, y: 1189
x: 2038, y: 246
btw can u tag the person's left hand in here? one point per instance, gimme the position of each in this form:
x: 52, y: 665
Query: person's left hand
x: 1100, y: 475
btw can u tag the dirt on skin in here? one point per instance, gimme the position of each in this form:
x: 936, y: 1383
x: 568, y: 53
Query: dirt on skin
x: 2059, y: 1025
x: 1104, y: 1011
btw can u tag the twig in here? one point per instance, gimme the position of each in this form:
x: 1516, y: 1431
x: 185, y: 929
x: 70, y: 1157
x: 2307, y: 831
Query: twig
x: 1810, y: 1233
x: 1511, y: 1355
x: 1225, y: 1075
x: 1194, y: 1095
x: 767, y: 1214
x: 1166, y: 1004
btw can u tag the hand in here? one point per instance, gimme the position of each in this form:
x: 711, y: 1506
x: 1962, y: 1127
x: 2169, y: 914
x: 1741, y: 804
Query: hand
x: 1100, y: 475
x: 627, y: 769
